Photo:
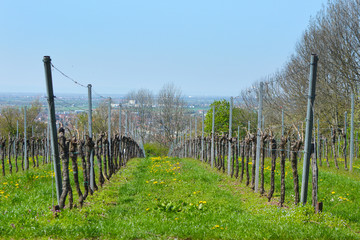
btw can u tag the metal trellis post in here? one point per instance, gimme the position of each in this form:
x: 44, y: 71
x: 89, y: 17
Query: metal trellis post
x: 308, y: 133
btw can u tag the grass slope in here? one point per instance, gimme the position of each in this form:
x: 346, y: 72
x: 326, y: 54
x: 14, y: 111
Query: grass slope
x: 168, y: 198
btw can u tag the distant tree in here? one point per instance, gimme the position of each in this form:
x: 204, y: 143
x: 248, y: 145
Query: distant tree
x: 10, y: 115
x: 170, y: 117
x: 222, y: 112
x: 143, y: 106
x: 241, y: 116
x: 100, y: 117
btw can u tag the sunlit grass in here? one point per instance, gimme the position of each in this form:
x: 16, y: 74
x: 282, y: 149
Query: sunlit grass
x: 162, y: 198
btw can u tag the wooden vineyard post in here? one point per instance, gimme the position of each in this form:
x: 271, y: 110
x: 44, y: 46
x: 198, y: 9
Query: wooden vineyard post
x: 273, y: 165
x: 282, y: 169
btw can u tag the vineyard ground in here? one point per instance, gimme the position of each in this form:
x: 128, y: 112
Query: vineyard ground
x: 169, y: 198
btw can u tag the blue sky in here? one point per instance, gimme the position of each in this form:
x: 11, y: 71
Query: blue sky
x: 203, y: 47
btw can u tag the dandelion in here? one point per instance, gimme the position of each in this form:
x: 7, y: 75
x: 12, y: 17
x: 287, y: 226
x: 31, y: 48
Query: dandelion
x: 332, y: 192
x: 147, y: 181
x: 5, y: 183
x: 155, y: 182
x: 147, y: 209
x: 217, y: 226
x: 174, y: 179
x: 194, y: 192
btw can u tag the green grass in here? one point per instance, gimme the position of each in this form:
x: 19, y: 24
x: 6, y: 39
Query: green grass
x: 168, y: 198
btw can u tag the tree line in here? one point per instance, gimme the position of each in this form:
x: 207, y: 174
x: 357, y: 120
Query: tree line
x: 334, y: 35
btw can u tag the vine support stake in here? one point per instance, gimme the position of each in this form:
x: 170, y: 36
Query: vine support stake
x: 202, y: 137
x: 352, y: 133
x: 53, y: 134
x: 26, y: 160
x: 213, y: 138
x: 309, y: 127
x: 109, y: 127
x: 230, y: 136
x: 258, y: 139
x: 90, y: 135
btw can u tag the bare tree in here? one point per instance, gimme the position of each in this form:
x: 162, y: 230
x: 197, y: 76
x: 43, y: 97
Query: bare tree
x: 170, y: 117
x: 144, y: 101
x: 334, y: 35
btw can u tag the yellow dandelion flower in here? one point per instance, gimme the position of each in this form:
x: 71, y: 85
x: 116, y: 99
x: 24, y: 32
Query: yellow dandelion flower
x: 332, y: 192
x: 155, y: 182
x: 217, y: 226
x: 147, y: 209
x: 194, y: 192
x: 5, y: 183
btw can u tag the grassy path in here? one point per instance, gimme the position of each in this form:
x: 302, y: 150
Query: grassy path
x: 161, y: 198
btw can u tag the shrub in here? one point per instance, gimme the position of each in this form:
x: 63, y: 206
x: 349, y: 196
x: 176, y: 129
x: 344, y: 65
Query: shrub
x: 155, y: 149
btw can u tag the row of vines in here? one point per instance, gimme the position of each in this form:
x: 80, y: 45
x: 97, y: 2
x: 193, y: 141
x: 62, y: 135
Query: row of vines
x: 243, y: 158
x: 109, y: 156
